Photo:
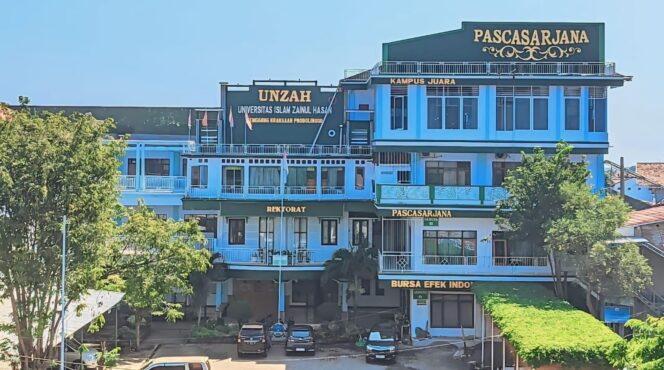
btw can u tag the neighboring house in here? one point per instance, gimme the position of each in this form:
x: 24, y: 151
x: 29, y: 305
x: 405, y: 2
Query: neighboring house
x: 646, y: 227
x: 409, y: 155
x: 644, y: 186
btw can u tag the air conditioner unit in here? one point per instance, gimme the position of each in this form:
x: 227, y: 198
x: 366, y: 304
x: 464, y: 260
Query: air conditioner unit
x: 428, y: 155
x: 501, y: 155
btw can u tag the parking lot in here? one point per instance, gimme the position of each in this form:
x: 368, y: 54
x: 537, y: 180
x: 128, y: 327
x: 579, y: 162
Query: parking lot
x: 347, y: 357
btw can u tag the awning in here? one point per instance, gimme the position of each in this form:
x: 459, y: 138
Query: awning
x: 273, y: 208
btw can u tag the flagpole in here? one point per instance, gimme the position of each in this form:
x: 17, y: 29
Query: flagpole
x: 282, y: 188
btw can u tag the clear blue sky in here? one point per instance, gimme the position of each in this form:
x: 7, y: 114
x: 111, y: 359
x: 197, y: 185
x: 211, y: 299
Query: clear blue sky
x: 174, y: 53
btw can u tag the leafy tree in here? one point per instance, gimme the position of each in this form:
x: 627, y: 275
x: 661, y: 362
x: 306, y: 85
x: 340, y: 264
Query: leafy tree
x: 537, y: 197
x: 152, y: 258
x: 200, y: 283
x: 645, y: 351
x: 241, y: 311
x: 612, y: 271
x: 351, y: 265
x: 51, y: 165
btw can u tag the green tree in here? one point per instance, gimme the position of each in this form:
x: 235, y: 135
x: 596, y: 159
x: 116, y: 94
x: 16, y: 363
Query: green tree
x: 152, y: 258
x: 537, y: 197
x: 351, y: 265
x: 52, y: 165
x: 645, y: 350
x: 200, y: 283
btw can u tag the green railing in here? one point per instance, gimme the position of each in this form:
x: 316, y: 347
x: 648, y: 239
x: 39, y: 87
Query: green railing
x: 439, y: 195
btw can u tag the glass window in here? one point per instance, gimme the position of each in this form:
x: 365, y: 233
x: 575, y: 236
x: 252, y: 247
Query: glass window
x: 328, y: 232
x: 522, y: 114
x: 452, y: 311
x: 366, y: 286
x: 447, y: 173
x: 332, y: 177
x: 504, y: 114
x: 266, y: 233
x: 300, y: 232
x: 452, y: 113
x: 131, y: 166
x: 540, y: 114
x: 434, y: 113
x: 596, y: 115
x: 469, y: 113
x: 157, y: 167
x: 359, y: 178
x: 199, y: 176
x: 572, y: 112
x: 206, y: 223
x: 301, y: 180
x: 236, y: 230
x: 449, y: 243
x: 399, y: 112
x: 233, y: 179
x: 184, y: 167
x: 360, y: 231
x: 403, y: 177
x: 500, y: 171
x: 264, y: 176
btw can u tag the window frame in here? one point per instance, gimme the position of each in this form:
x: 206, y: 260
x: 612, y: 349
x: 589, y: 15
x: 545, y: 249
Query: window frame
x: 231, y: 237
x: 507, y: 118
x: 354, y: 237
x: 160, y: 164
x: 298, y: 233
x: 441, y: 170
x: 461, y: 95
x: 264, y: 233
x: 329, y: 227
x: 200, y: 173
x: 504, y: 167
x: 440, y: 236
x: 460, y: 300
x: 399, y: 123
x: 360, y: 172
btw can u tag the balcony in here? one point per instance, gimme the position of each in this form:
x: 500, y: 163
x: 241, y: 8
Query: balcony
x: 439, y: 195
x: 165, y: 184
x: 277, y: 150
x: 409, y: 263
x: 483, y: 69
x: 268, y: 192
x: 263, y: 257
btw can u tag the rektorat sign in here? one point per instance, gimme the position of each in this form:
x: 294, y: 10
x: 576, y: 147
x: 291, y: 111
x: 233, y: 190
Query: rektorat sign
x: 432, y: 284
x: 286, y: 209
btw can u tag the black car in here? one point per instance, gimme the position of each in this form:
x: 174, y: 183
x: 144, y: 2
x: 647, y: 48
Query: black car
x: 382, y: 343
x: 252, y: 339
x: 300, y: 339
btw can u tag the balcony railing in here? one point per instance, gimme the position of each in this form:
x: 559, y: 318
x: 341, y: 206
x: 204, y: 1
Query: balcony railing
x: 264, y: 257
x: 521, y: 261
x: 266, y: 192
x: 439, y: 195
x: 594, y: 69
x: 395, y: 261
x: 405, y: 262
x: 449, y: 260
x: 277, y: 150
x: 170, y: 184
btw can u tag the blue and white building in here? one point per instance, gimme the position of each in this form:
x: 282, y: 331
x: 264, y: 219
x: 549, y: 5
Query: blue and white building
x: 408, y: 155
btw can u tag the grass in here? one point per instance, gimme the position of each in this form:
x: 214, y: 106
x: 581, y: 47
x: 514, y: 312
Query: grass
x: 544, y: 329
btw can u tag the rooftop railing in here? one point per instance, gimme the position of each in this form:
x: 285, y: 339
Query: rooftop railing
x: 277, y: 150
x: 483, y: 69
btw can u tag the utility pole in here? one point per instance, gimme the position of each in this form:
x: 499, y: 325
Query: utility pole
x: 622, y: 178
x: 62, y: 293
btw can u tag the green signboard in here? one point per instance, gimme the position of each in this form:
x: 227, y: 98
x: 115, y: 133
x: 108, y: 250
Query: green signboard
x: 430, y: 222
x: 421, y: 296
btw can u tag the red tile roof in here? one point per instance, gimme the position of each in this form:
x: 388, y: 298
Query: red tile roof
x: 652, y: 171
x: 646, y: 216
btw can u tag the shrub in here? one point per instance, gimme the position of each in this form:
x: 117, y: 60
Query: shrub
x: 240, y: 311
x: 327, y: 311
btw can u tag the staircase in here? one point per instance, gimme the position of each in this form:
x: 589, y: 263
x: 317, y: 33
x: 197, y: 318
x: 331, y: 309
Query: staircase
x: 651, y: 299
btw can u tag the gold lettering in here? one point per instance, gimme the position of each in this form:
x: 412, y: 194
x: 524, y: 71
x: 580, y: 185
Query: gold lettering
x: 478, y: 33
x: 556, y: 41
x: 583, y: 38
x: 305, y: 96
x: 535, y: 39
x: 564, y: 38
x: 497, y: 36
x: 274, y: 95
x: 546, y: 34
x: 575, y: 37
x: 487, y: 37
x: 516, y: 40
x: 525, y: 37
x: 506, y: 34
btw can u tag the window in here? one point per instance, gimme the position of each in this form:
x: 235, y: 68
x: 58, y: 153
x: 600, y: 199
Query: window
x: 360, y: 232
x: 437, y: 243
x: 403, y: 177
x: 392, y: 158
x: 572, y: 107
x: 457, y: 104
x: 517, y: 106
x: 157, y: 167
x: 504, y: 247
x: 501, y: 170
x: 184, y: 167
x: 452, y: 310
x: 597, y: 109
x: 300, y: 232
x: 332, y: 179
x: 233, y: 179
x: 328, y: 232
x: 206, y: 223
x: 264, y: 176
x: 447, y: 173
x: 302, y: 179
x: 199, y: 176
x: 377, y: 288
x: 366, y: 286
x: 236, y: 231
x: 359, y: 178
x: 399, y: 108
x: 131, y: 166
x: 195, y: 366
x: 265, y: 233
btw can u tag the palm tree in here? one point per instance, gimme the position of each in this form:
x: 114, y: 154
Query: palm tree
x: 351, y: 265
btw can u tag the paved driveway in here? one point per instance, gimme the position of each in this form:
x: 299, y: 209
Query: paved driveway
x: 223, y: 356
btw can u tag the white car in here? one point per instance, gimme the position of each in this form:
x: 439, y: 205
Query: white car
x: 179, y: 363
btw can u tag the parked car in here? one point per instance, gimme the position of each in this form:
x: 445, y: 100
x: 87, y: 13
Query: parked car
x: 382, y: 343
x: 179, y: 363
x: 252, y: 338
x: 301, y: 339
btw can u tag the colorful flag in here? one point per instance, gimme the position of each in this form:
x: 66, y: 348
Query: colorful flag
x: 247, y: 120
x: 189, y: 119
x: 230, y: 117
x: 204, y: 121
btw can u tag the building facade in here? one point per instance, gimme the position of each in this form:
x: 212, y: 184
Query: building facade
x: 408, y: 156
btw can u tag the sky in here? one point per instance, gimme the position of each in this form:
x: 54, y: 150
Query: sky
x: 174, y: 53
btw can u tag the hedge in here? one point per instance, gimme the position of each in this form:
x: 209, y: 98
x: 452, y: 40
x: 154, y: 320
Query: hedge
x: 544, y: 329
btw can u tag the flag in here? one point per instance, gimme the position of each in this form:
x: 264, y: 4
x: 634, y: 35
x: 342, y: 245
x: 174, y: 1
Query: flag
x: 219, y: 118
x: 230, y: 117
x: 189, y: 119
x: 247, y: 120
x: 284, y: 163
x: 204, y: 121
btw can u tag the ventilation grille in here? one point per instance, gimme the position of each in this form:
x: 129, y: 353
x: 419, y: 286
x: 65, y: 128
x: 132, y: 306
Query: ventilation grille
x: 453, y: 90
x: 522, y: 91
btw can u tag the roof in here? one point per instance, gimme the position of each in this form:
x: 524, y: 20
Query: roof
x: 653, y: 171
x: 177, y: 359
x: 646, y: 216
